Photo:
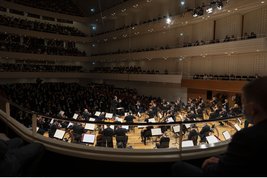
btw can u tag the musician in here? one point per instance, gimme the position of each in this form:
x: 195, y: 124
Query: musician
x: 86, y: 115
x: 205, y: 131
x: 164, y: 141
x: 121, y: 137
x: 146, y: 133
x: 107, y: 135
x: 54, y: 126
x: 77, y: 132
x: 193, y: 135
x: 114, y: 104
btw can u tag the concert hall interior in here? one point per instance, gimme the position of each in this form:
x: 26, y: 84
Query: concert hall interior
x: 125, y: 87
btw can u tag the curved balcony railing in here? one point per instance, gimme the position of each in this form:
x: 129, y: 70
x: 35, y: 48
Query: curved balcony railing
x: 88, y: 145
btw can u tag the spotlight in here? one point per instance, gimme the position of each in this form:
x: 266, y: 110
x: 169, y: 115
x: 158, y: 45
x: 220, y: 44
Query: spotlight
x: 182, y: 3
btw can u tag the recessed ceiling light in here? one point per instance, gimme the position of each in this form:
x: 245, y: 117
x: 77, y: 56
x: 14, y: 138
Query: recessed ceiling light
x: 262, y: 2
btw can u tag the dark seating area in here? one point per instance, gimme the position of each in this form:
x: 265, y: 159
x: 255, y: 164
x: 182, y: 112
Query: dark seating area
x: 224, y: 77
x: 125, y: 70
x: 39, y: 26
x: 9, y: 67
x: 186, y: 44
x: 59, y: 6
x: 24, y: 44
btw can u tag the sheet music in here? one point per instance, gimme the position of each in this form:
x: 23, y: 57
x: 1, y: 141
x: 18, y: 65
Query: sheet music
x: 187, y: 125
x: 88, y: 138
x: 70, y: 124
x: 75, y: 116
x: 111, y: 126
x: 212, y: 139
x: 97, y: 113
x: 119, y: 119
x: 52, y: 121
x: 108, y: 115
x: 125, y: 127
x: 176, y: 128
x: 187, y: 143
x: 169, y: 120
x: 237, y: 127
x: 152, y: 120
x: 226, y: 135
x: 89, y: 126
x: 126, y: 114
x: 91, y: 119
x: 59, y: 134
x: 156, y: 131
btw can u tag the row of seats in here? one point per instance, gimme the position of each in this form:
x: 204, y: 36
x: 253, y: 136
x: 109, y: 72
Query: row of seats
x: 186, y: 44
x: 16, y: 43
x: 224, y: 77
x: 39, y: 26
x: 8, y: 67
x: 59, y: 6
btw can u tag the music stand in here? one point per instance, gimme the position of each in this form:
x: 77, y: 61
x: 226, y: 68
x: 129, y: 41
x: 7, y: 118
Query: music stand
x: 111, y: 126
x: 59, y: 134
x: 89, y: 126
x: 226, y: 135
x: 237, y: 127
x: 52, y: 121
x: 187, y: 143
x: 176, y: 130
x: 169, y: 120
x: 70, y: 124
x: 156, y: 132
x: 97, y: 113
x: 152, y: 120
x: 75, y: 116
x: 88, y: 138
x: 125, y: 127
x: 187, y: 125
x: 91, y: 119
x: 108, y: 115
x: 212, y: 139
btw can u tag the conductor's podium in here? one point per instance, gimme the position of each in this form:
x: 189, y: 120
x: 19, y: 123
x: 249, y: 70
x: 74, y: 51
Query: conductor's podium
x: 84, y: 139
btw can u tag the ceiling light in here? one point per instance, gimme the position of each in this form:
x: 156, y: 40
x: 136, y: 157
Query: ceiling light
x: 182, y: 3
x: 262, y: 2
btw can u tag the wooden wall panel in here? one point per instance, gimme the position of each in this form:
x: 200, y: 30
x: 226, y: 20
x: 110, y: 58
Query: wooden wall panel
x: 258, y: 26
x: 215, y: 85
x: 203, y: 31
x: 230, y: 25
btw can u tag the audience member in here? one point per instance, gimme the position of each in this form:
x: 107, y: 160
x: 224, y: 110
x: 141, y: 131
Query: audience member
x: 19, y: 159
